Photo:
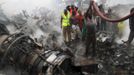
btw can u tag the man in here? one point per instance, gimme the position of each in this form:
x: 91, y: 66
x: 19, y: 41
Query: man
x: 131, y: 24
x: 74, y: 24
x: 121, y: 27
x: 65, y: 25
x: 102, y: 21
x: 90, y: 35
x: 80, y: 20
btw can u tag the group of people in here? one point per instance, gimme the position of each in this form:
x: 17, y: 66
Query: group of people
x: 73, y: 22
x: 88, y: 24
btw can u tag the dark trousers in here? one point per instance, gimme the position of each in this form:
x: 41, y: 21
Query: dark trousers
x: 131, y: 36
x: 90, y: 41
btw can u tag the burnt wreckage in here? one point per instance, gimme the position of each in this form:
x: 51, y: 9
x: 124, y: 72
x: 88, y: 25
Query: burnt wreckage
x: 114, y: 58
x: 23, y: 52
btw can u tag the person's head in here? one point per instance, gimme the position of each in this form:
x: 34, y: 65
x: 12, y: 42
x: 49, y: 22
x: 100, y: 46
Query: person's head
x: 132, y: 10
x: 73, y: 7
x: 101, y: 8
x: 65, y: 11
x: 88, y: 15
x: 76, y: 8
x: 68, y: 7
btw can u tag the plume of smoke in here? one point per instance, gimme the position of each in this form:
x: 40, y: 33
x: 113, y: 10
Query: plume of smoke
x: 3, y: 17
x: 42, y: 24
x: 121, y: 11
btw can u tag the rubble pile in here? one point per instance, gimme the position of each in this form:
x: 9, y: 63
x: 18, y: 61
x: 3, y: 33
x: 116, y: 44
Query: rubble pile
x: 35, y: 46
x: 113, y: 56
x: 23, y: 53
x: 28, y: 50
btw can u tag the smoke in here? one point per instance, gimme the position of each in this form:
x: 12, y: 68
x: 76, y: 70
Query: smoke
x: 41, y: 18
x: 44, y: 25
x: 16, y: 6
x: 47, y: 12
x: 39, y: 21
x: 114, y: 3
x: 120, y: 8
x: 121, y: 11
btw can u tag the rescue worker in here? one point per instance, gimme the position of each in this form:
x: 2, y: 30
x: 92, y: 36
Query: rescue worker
x: 112, y: 26
x: 84, y: 28
x: 131, y: 24
x: 121, y: 27
x: 74, y: 24
x: 98, y: 19
x: 74, y: 9
x: 103, y: 22
x: 65, y: 25
x: 80, y: 20
x: 90, y: 35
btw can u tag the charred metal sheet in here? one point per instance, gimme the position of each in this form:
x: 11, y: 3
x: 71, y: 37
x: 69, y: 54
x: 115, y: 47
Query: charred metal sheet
x: 20, y: 49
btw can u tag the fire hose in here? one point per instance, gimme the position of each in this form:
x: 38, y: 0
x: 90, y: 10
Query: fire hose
x: 96, y: 9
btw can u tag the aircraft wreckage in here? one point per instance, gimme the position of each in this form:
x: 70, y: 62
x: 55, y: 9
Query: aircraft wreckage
x: 23, y: 52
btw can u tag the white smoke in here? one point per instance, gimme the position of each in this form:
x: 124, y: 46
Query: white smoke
x: 16, y: 6
x: 114, y: 3
x: 42, y: 25
x: 121, y: 11
x: 120, y: 8
x: 39, y: 19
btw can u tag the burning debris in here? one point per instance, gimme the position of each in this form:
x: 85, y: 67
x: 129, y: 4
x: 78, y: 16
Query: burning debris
x: 32, y: 44
x: 23, y: 53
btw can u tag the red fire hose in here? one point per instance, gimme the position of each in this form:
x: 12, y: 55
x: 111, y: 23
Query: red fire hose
x: 106, y: 18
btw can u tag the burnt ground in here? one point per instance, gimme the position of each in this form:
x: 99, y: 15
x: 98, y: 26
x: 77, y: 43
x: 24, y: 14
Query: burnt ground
x: 78, y: 48
x: 88, y: 64
x: 107, y: 65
